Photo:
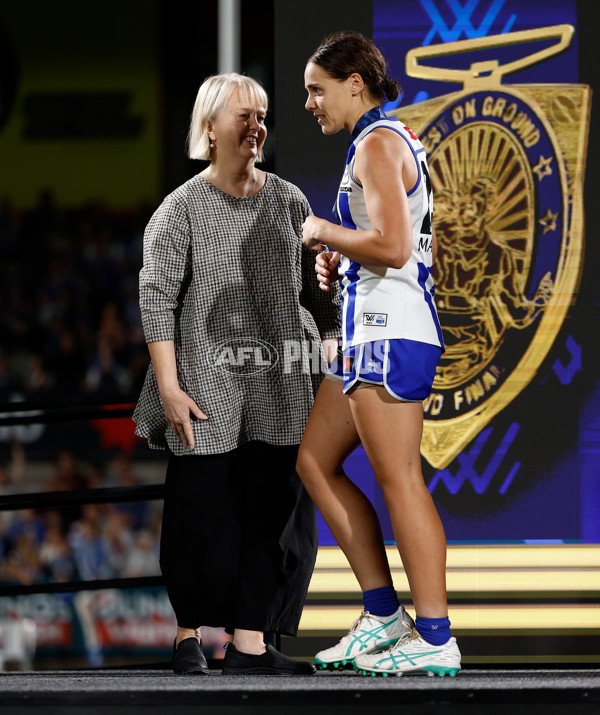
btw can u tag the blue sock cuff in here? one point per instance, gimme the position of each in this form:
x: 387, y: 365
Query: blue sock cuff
x: 434, y: 630
x: 381, y: 601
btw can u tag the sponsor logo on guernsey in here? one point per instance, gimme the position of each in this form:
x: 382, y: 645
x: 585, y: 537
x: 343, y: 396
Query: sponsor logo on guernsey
x: 346, y: 189
x: 378, y: 319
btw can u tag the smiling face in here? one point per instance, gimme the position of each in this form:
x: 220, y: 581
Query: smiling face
x: 238, y: 131
x: 330, y: 100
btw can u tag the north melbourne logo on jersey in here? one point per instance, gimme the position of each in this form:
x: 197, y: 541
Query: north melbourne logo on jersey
x: 378, y: 319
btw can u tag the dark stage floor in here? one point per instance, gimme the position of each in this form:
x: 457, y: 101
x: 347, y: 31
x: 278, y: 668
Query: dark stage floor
x: 548, y: 692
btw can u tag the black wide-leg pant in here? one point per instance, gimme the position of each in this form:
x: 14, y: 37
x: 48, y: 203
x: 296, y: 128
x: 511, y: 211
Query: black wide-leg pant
x: 239, y: 539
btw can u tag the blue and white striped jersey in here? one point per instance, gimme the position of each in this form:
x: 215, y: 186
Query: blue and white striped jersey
x: 379, y: 302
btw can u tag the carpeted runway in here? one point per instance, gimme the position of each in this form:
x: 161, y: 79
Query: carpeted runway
x: 510, y: 692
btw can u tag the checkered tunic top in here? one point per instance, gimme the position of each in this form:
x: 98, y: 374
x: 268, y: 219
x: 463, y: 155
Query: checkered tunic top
x: 220, y: 272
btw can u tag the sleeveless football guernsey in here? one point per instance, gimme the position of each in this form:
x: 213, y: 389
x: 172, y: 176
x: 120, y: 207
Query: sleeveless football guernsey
x: 378, y: 302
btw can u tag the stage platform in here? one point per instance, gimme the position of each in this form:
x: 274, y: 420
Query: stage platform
x: 485, y: 692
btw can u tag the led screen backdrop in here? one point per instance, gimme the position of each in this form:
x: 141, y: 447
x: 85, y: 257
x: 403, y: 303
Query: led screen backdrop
x: 511, y: 448
x: 79, y: 103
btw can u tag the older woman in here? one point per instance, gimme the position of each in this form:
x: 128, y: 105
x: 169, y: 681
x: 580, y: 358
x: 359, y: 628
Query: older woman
x: 392, y: 343
x: 230, y: 386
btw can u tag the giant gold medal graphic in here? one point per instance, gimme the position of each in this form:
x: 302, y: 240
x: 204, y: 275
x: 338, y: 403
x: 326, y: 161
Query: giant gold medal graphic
x: 506, y: 165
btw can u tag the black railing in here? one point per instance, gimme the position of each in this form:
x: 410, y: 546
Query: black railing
x: 20, y: 413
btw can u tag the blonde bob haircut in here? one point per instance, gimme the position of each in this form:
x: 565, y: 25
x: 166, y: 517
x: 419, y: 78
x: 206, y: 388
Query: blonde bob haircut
x: 213, y: 95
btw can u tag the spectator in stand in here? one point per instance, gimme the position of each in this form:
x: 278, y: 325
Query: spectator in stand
x: 142, y: 558
x: 23, y: 564
x: 55, y: 555
x: 28, y: 522
x: 37, y: 382
x: 67, y: 475
x: 121, y: 474
x: 119, y: 537
x: 90, y: 548
x: 105, y: 375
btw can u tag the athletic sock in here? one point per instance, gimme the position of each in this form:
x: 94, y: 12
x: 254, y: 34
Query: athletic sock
x: 381, y: 601
x: 433, y: 630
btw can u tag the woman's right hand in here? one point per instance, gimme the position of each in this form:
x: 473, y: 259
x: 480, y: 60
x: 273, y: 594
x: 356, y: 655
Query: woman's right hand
x: 326, y: 267
x: 178, y: 406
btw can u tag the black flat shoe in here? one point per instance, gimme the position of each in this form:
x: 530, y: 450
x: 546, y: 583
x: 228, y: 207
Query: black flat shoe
x: 270, y: 663
x: 188, y: 657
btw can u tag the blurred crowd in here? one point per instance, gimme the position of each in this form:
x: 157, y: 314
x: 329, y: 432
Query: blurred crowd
x: 93, y: 541
x: 70, y: 328
x: 69, y: 315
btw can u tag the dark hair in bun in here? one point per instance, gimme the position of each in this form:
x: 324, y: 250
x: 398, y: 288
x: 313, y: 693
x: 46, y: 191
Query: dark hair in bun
x: 344, y: 53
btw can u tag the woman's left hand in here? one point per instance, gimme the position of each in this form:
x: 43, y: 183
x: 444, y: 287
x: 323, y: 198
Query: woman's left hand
x: 313, y: 233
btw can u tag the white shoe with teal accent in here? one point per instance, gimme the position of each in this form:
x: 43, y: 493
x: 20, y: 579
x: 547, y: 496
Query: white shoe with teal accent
x: 412, y: 654
x: 368, y: 634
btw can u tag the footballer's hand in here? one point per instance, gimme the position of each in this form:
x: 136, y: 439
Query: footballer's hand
x: 326, y: 267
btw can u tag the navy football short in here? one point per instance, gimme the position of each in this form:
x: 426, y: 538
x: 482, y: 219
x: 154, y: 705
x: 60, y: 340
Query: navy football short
x: 406, y: 368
